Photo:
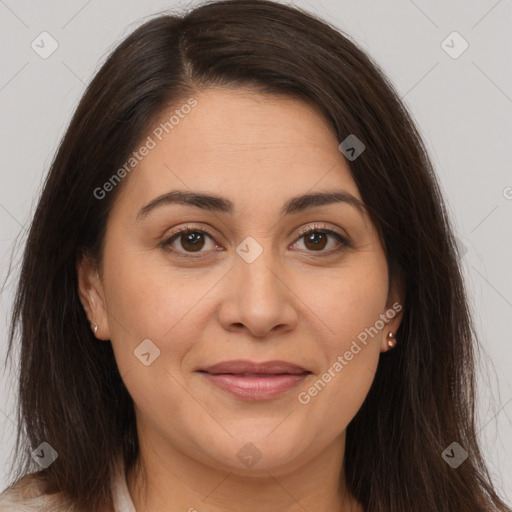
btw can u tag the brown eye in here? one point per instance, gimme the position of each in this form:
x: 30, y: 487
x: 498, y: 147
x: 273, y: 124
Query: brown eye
x: 316, y: 240
x: 188, y: 241
x: 192, y: 241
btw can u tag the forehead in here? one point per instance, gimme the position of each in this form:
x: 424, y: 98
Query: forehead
x: 238, y: 142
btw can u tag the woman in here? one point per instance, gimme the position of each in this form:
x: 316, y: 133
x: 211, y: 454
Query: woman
x: 238, y: 285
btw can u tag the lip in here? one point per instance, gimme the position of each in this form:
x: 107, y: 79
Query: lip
x: 237, y: 366
x: 252, y: 380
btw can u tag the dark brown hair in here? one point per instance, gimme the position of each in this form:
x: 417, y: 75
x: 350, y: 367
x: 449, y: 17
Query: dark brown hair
x: 422, y: 398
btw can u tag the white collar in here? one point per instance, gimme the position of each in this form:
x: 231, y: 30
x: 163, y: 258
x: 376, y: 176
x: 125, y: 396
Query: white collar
x: 27, y: 495
x: 122, y: 499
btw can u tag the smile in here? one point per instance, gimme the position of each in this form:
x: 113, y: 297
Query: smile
x: 256, y: 386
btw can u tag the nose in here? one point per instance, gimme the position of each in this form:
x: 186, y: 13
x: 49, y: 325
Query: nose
x: 258, y: 298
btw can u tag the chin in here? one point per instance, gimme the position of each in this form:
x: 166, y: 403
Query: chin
x: 255, y: 452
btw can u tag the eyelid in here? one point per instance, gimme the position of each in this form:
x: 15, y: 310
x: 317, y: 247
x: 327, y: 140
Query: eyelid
x: 175, y: 232
x: 302, y: 231
x: 318, y: 226
x: 343, y: 240
x: 188, y: 227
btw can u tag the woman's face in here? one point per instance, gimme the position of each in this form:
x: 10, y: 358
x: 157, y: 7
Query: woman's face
x: 244, y: 284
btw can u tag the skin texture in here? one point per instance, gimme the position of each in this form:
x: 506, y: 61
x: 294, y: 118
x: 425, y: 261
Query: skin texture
x: 291, y: 304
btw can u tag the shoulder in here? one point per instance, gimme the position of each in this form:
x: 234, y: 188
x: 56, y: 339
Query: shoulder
x: 27, y: 495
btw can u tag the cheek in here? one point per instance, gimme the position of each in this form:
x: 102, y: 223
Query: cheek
x: 147, y: 298
x: 147, y: 302
x: 337, y: 392
x: 347, y: 300
x: 350, y: 304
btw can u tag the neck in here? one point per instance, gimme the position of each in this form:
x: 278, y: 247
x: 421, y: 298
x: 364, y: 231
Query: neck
x: 170, y: 478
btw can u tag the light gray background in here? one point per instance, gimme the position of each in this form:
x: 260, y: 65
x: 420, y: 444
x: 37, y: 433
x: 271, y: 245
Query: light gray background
x: 463, y: 107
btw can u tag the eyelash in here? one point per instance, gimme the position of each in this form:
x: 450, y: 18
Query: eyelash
x: 343, y: 241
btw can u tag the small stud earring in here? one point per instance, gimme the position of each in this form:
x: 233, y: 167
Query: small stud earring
x: 95, y: 328
x: 391, y: 340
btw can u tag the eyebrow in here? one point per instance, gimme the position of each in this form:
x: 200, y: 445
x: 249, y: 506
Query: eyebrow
x: 219, y: 204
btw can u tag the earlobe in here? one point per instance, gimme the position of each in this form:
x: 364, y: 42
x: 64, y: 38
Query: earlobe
x: 90, y: 292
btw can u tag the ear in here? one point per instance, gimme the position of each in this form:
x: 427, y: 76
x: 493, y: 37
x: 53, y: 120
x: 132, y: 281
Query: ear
x: 92, y: 297
x: 394, y: 310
